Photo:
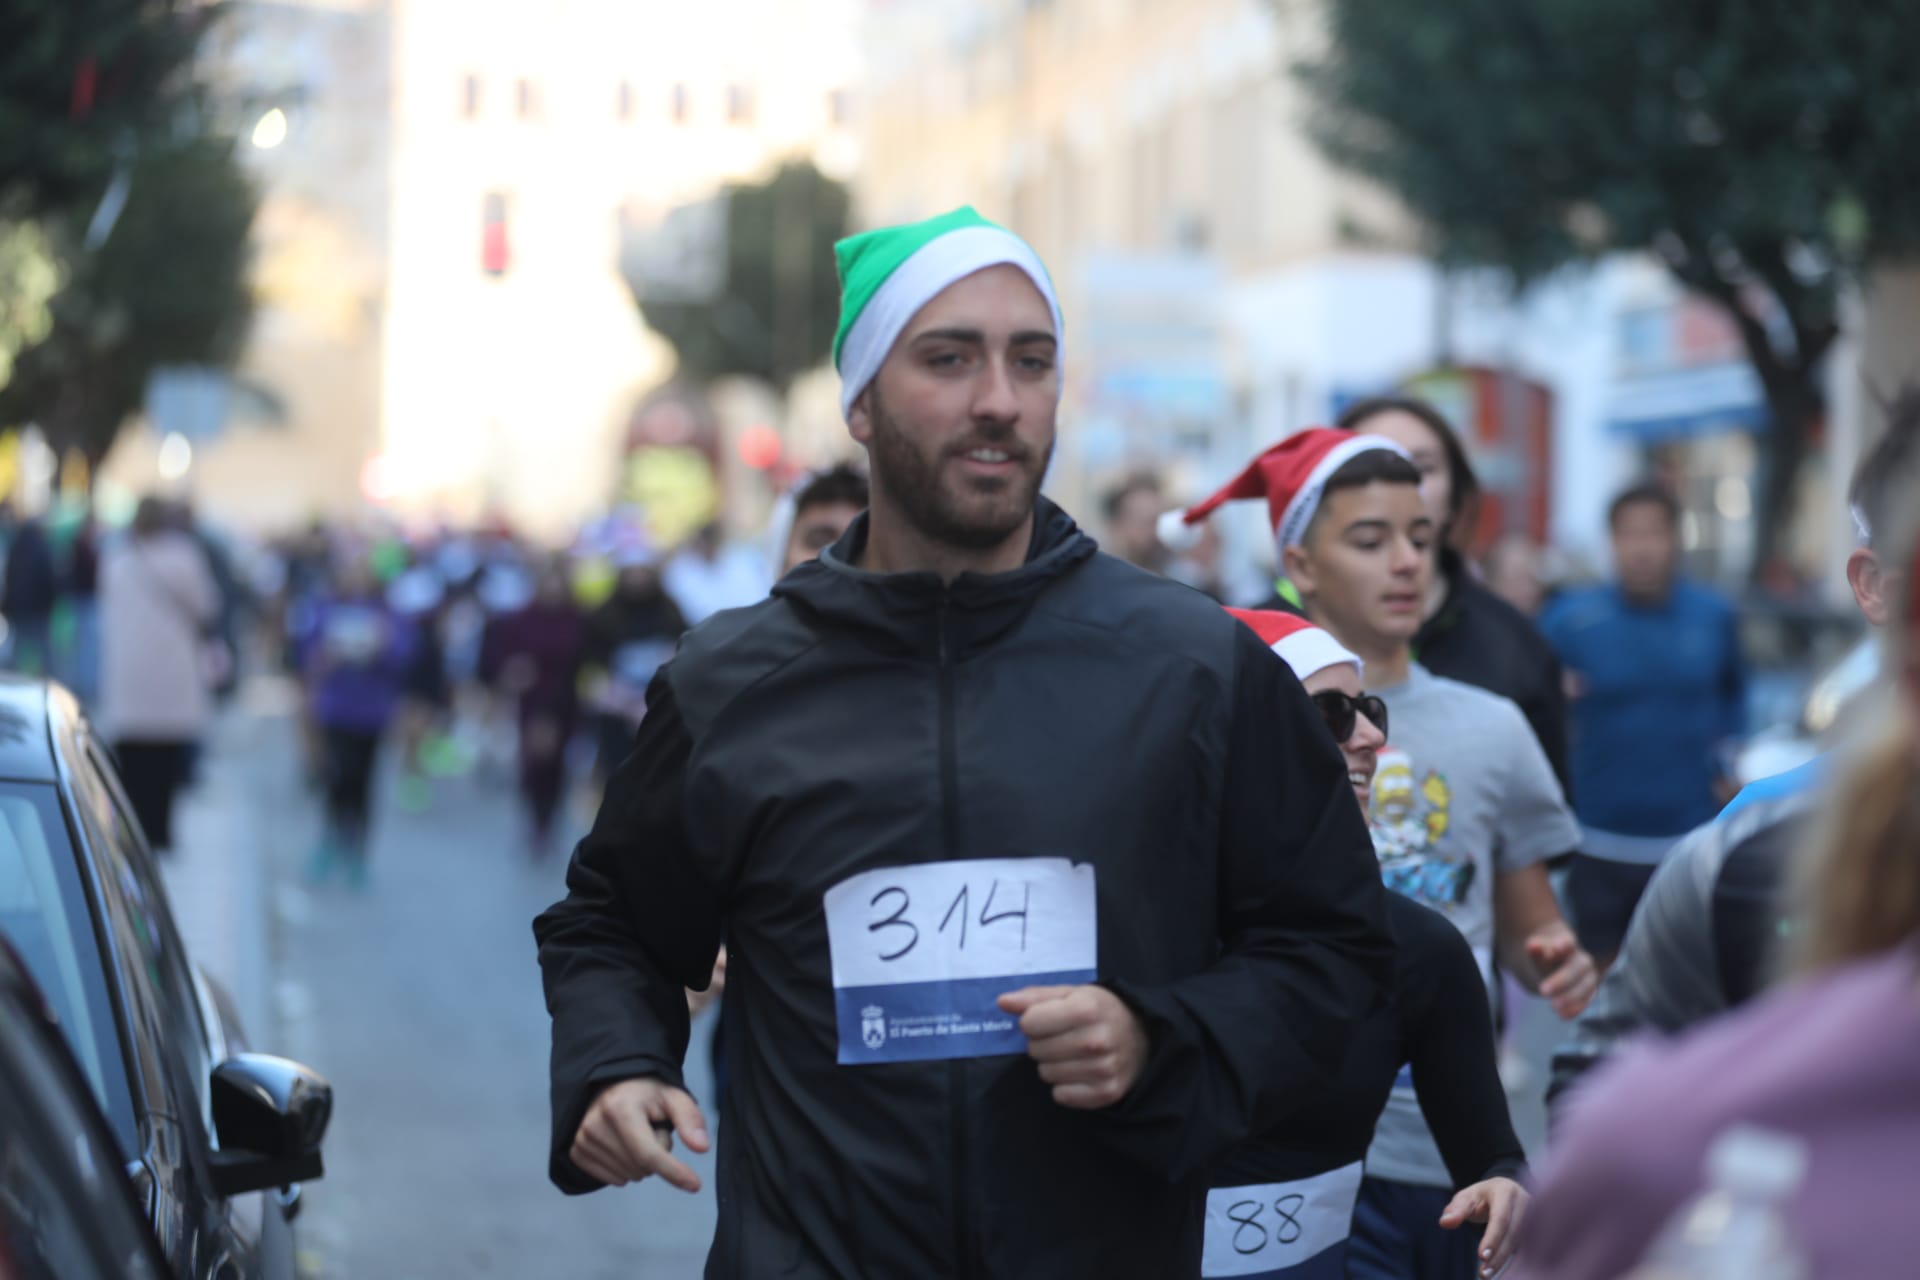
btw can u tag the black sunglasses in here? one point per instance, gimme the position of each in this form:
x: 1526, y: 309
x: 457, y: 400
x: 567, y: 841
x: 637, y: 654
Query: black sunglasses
x: 1338, y: 710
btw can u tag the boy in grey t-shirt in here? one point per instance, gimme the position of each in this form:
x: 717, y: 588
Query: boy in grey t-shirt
x: 1465, y: 808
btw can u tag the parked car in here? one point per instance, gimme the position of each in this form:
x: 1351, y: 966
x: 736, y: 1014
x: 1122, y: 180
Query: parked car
x: 67, y: 1211
x: 215, y: 1140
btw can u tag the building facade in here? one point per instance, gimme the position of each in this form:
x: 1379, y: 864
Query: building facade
x: 444, y: 315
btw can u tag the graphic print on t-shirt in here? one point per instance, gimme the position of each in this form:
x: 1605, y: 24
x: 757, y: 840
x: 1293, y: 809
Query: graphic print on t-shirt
x: 1411, y: 814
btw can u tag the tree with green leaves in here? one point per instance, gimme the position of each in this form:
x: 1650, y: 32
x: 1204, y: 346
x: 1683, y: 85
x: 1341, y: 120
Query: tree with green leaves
x: 167, y: 287
x: 774, y: 315
x: 81, y: 81
x: 1761, y: 149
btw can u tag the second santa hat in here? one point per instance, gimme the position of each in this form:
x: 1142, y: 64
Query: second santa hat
x: 1304, y: 647
x: 1292, y: 476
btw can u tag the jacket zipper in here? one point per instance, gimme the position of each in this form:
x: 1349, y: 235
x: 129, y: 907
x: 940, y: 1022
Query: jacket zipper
x: 957, y: 1067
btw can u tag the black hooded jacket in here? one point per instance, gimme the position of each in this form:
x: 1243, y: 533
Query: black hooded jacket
x: 1074, y: 708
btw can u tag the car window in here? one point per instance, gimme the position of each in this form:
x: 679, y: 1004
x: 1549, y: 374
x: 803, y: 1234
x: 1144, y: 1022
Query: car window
x: 44, y: 915
x: 126, y: 861
x: 66, y: 1212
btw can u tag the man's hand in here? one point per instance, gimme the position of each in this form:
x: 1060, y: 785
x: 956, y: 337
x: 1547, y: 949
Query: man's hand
x: 1090, y: 1046
x: 628, y: 1133
x: 697, y: 1001
x: 1500, y: 1203
x: 1567, y: 975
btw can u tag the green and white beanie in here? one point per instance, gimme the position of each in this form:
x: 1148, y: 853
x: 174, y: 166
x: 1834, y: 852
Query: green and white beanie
x: 888, y: 274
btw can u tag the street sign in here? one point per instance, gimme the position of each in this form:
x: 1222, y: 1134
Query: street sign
x: 189, y: 400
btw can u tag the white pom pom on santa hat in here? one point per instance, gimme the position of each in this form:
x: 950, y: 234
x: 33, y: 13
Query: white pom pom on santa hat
x: 1175, y: 533
x: 1292, y: 476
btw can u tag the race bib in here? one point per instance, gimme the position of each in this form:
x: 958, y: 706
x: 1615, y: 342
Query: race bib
x: 921, y: 953
x: 1283, y: 1230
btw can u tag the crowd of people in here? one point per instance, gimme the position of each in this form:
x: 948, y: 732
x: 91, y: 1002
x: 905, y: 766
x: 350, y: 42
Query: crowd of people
x: 449, y: 646
x: 1072, y: 924
x: 1056, y: 944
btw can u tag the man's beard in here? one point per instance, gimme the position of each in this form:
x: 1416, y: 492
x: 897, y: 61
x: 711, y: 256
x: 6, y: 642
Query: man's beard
x: 959, y: 513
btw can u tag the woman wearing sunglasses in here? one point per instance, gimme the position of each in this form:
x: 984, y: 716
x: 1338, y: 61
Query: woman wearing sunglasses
x: 1286, y: 1199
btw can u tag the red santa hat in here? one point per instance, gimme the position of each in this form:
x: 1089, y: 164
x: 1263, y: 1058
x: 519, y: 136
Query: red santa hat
x: 1301, y: 645
x: 1292, y: 476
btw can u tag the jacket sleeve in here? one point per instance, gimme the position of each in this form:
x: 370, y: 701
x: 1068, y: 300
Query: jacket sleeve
x: 640, y: 924
x: 1305, y: 950
x: 1450, y: 1044
x: 1665, y: 977
x: 1546, y: 713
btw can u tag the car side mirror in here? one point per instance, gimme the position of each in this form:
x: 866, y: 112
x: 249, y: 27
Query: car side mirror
x: 269, y: 1116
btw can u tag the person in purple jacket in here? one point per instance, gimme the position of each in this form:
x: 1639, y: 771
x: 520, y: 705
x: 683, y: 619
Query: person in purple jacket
x: 354, y: 653
x: 534, y: 657
x: 1832, y: 1061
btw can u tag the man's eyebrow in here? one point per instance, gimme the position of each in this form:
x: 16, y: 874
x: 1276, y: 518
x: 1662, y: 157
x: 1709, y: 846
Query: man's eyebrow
x: 951, y: 335
x: 1370, y: 523
x: 1034, y: 335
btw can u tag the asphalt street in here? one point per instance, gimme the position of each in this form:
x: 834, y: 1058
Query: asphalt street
x: 419, y: 998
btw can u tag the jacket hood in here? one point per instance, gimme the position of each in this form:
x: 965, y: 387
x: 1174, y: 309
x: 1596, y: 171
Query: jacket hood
x: 905, y: 613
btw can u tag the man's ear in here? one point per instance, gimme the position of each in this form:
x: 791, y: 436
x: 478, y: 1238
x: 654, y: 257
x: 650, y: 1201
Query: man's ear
x: 860, y: 417
x: 1869, y: 585
x: 1296, y: 562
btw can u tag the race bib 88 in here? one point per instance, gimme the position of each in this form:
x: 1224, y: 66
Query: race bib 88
x: 921, y: 953
x: 1283, y: 1230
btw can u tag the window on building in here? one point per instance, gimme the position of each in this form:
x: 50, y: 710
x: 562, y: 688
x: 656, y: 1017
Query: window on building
x: 470, y: 97
x: 526, y: 98
x: 679, y: 104
x: 623, y: 101
x: 496, y: 251
x: 739, y: 104
x: 839, y: 108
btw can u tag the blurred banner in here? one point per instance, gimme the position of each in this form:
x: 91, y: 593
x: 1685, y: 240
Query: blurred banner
x: 671, y: 469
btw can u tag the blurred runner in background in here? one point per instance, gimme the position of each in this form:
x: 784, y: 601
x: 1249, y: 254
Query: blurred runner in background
x: 629, y: 637
x: 354, y: 656
x: 1706, y: 934
x: 1827, y: 1065
x: 81, y: 671
x: 1658, y: 691
x: 31, y: 590
x: 535, y: 657
x: 157, y: 601
x: 813, y: 514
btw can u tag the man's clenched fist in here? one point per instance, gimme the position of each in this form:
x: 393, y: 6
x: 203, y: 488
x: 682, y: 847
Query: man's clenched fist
x: 628, y: 1134
x: 1090, y: 1046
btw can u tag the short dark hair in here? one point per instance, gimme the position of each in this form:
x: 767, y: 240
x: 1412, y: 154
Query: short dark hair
x: 1648, y: 493
x: 840, y: 485
x: 1464, y: 506
x: 1886, y: 472
x: 1137, y: 482
x: 1375, y: 466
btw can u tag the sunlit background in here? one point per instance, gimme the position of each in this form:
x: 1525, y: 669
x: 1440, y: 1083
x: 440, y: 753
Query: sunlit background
x: 462, y: 207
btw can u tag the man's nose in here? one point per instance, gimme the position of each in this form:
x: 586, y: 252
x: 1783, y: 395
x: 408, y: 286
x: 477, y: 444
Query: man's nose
x: 994, y: 396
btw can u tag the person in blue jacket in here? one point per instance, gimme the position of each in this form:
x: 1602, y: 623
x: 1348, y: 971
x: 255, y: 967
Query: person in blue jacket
x: 1658, y: 689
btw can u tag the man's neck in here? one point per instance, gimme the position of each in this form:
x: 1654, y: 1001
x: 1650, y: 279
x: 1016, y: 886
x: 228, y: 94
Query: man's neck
x: 1387, y: 662
x: 895, y: 546
x: 1647, y: 598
